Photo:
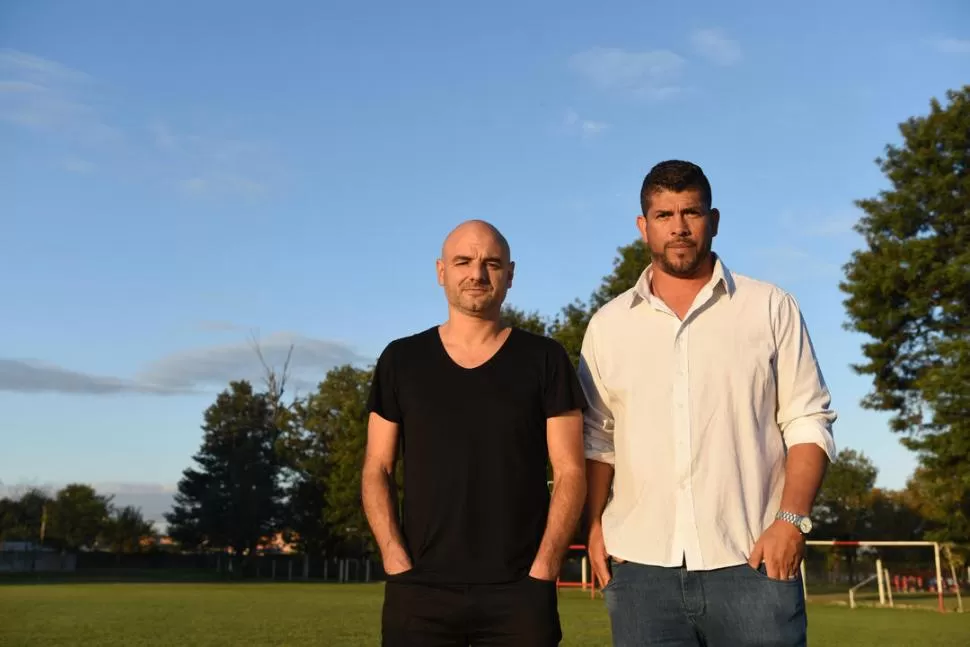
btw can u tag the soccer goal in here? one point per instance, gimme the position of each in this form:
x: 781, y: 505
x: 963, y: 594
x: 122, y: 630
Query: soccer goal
x: 908, y: 574
x: 576, y: 572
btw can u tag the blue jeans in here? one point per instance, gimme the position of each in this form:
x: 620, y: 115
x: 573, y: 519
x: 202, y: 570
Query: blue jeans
x: 731, y: 607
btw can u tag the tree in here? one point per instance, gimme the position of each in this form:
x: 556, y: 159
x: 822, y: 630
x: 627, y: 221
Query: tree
x: 12, y: 527
x: 569, y: 327
x: 531, y: 321
x: 628, y: 265
x: 125, y: 529
x: 307, y: 448
x: 908, y: 290
x: 23, y: 518
x: 894, y: 516
x: 234, y: 498
x: 842, y: 508
x: 77, y: 517
x: 338, y: 416
x: 842, y: 504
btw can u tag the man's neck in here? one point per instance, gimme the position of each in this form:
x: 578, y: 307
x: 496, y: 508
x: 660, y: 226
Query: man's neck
x: 467, y: 330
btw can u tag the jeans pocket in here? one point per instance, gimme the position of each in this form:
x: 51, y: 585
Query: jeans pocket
x: 614, y: 563
x: 762, y: 574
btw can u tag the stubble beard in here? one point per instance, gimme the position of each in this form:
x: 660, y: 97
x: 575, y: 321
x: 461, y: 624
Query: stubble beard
x: 474, y: 305
x: 686, y: 268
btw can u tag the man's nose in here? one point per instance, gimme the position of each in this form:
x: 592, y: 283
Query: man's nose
x: 679, y: 225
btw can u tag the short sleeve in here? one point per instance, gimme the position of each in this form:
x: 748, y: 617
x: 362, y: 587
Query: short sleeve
x: 561, y: 391
x: 383, y: 389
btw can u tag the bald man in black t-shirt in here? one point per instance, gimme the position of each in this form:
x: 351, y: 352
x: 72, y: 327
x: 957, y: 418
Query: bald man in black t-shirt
x: 476, y: 409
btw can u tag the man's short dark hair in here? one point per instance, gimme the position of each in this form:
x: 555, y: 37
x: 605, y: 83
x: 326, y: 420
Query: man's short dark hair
x: 677, y: 176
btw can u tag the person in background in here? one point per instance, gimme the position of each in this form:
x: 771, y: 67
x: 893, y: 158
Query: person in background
x: 707, y: 436
x: 477, y: 409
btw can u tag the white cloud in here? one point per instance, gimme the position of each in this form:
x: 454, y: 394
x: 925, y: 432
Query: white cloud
x: 194, y: 186
x: 188, y: 372
x: 586, y: 127
x: 31, y: 376
x: 212, y: 165
x: 216, y: 365
x: 651, y: 74
x: 75, y: 164
x: 47, y: 97
x: 715, y: 46
x: 39, y: 69
x: 222, y: 184
x: 953, y: 45
x: 164, y: 139
x: 44, y: 95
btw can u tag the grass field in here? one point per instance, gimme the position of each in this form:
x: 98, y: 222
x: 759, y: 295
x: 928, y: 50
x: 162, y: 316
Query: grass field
x: 224, y: 614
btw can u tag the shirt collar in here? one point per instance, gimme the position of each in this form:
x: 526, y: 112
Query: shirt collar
x: 722, y: 277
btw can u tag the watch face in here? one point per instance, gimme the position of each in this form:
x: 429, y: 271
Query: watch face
x: 805, y: 525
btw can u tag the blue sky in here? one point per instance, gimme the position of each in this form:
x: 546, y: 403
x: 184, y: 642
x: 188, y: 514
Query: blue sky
x: 179, y: 177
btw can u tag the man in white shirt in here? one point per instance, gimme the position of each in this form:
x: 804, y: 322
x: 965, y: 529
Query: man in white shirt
x: 707, y: 437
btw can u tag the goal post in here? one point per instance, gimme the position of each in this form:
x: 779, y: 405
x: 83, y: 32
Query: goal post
x: 573, y: 567
x: 885, y: 579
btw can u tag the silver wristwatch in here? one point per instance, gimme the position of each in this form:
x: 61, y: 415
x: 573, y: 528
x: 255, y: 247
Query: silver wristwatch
x: 803, y: 523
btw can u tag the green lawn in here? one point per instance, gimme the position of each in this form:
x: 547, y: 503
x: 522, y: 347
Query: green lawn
x: 210, y: 614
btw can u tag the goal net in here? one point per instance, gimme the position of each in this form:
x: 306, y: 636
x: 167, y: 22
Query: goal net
x: 905, y: 574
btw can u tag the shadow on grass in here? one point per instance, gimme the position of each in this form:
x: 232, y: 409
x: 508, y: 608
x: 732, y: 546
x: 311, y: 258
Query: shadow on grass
x: 148, y: 576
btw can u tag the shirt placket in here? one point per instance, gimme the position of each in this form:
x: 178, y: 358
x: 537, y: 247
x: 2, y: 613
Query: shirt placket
x: 688, y: 545
x: 681, y: 420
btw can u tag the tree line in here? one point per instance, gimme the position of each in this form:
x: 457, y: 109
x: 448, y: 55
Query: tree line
x: 270, y: 465
x: 75, y: 517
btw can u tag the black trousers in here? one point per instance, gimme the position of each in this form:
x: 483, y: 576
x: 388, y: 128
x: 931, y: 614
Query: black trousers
x: 518, y: 614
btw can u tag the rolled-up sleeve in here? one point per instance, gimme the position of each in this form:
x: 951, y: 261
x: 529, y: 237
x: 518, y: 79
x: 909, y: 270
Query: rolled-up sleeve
x: 804, y: 412
x: 598, y: 421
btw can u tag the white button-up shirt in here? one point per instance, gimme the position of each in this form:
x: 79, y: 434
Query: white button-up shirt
x: 695, y: 417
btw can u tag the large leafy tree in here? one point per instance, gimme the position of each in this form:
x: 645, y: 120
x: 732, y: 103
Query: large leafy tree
x: 908, y: 290
x: 233, y: 498
x: 842, y: 507
x: 338, y: 419
x: 569, y: 326
x: 24, y: 518
x: 308, y: 454
x: 78, y: 514
x: 125, y: 529
x: 531, y: 321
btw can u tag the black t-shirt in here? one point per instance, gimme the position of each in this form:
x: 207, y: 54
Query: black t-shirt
x: 473, y: 446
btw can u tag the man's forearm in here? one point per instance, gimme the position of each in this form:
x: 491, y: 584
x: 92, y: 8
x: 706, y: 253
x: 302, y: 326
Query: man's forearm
x: 804, y: 470
x: 565, y: 508
x: 378, y: 493
x: 599, y: 479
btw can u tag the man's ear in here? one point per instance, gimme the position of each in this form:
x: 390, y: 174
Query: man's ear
x: 715, y: 221
x: 440, y: 271
x: 642, y: 228
x: 511, y: 273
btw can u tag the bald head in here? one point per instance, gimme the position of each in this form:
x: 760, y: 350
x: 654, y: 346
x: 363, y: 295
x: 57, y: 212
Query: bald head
x: 477, y: 230
x: 475, y: 269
